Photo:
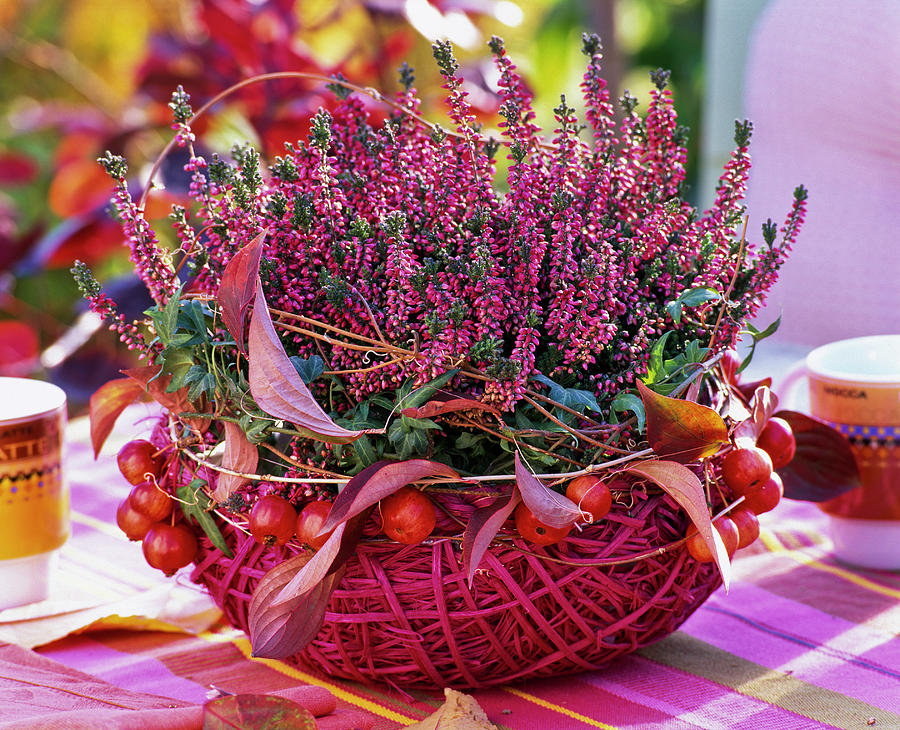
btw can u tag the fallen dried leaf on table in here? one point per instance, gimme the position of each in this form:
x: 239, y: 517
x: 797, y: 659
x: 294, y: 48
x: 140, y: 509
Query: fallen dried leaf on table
x: 459, y: 712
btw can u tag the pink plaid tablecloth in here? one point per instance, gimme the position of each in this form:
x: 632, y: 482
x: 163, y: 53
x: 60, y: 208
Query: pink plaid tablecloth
x: 801, y: 641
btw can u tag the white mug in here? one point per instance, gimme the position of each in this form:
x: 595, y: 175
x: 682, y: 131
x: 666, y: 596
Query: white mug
x: 854, y: 385
x: 34, y: 496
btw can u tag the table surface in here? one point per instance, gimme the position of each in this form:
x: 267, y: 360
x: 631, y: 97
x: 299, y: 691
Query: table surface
x: 800, y: 641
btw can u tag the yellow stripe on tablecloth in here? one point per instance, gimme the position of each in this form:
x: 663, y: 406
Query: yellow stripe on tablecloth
x: 774, y: 544
x: 558, y: 708
x: 695, y: 656
x: 99, y: 525
x: 243, y: 645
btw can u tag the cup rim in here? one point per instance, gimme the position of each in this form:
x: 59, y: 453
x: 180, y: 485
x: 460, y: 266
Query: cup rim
x: 817, y: 361
x: 47, y: 399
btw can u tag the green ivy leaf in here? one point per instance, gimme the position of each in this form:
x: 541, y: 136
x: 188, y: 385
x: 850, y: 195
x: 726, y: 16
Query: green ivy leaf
x: 195, y: 505
x: 178, y: 363
x: 691, y: 298
x: 308, y: 368
x: 624, y: 402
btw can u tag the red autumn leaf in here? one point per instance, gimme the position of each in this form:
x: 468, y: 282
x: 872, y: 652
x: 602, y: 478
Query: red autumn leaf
x: 277, y: 387
x: 175, y: 403
x: 551, y: 508
x: 764, y: 404
x: 79, y: 186
x: 378, y: 481
x: 288, y: 605
x: 17, y: 169
x: 482, y: 527
x: 747, y: 390
x: 681, y: 430
x: 107, y: 404
x: 238, y: 287
x: 684, y: 487
x: 823, y: 465
x: 279, y: 630
x: 19, y: 348
x: 438, y: 407
x: 256, y: 712
x: 313, y: 572
x: 241, y: 456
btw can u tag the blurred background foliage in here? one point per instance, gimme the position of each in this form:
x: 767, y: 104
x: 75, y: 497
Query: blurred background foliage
x: 83, y: 76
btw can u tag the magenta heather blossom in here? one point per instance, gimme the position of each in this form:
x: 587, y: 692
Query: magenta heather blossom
x: 397, y: 233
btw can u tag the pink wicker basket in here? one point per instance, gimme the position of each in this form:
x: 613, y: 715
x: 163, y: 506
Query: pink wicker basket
x: 406, y: 616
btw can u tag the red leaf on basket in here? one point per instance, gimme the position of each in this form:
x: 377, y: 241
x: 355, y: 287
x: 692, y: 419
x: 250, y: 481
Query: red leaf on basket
x: 378, y: 481
x: 107, y: 404
x: 438, y: 407
x: 764, y: 404
x: 238, y: 288
x: 277, y: 387
x: 313, y: 572
x: 288, y: 605
x: 551, y: 508
x: 823, y: 465
x: 681, y: 430
x: 482, y: 527
x: 155, y: 384
x: 256, y: 712
x: 685, y: 487
x: 241, y: 456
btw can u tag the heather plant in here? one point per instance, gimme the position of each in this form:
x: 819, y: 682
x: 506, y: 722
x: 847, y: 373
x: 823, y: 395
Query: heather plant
x: 589, y: 271
x: 386, y: 352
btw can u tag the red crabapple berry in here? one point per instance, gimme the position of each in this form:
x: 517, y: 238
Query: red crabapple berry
x: 408, y: 516
x: 745, y: 468
x: 766, y: 496
x: 310, y: 521
x: 170, y: 547
x: 134, y: 524
x: 272, y: 520
x: 535, y: 531
x: 138, y: 458
x: 747, y: 524
x: 592, y: 496
x: 777, y: 440
x: 151, y: 501
x: 727, y: 530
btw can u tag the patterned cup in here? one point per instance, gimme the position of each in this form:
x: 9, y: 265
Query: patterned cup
x: 854, y: 385
x: 34, y: 496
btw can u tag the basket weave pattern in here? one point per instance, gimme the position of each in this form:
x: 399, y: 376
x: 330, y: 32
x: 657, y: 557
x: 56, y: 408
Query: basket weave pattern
x: 406, y: 615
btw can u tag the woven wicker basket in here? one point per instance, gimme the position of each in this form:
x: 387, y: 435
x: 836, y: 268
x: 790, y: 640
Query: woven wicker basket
x: 406, y: 616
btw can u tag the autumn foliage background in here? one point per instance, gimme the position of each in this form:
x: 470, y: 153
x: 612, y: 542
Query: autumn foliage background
x: 71, y: 92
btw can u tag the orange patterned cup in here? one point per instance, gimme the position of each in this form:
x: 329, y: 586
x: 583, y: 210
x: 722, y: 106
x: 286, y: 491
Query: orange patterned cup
x: 34, y: 497
x: 854, y: 385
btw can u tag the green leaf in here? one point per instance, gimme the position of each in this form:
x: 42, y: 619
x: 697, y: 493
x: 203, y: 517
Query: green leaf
x: 165, y: 320
x: 308, y: 368
x: 420, y: 395
x: 630, y: 402
x: 194, y: 504
x: 699, y: 295
x: 364, y: 451
x: 656, y: 370
x: 178, y: 364
x: 193, y: 318
x: 756, y: 336
x: 422, y: 424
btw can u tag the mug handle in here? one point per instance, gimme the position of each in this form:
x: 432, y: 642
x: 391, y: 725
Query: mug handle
x: 787, y: 388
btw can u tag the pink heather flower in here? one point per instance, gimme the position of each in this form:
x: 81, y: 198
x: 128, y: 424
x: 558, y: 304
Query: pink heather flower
x: 397, y: 230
